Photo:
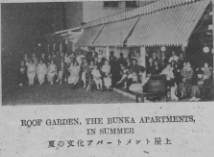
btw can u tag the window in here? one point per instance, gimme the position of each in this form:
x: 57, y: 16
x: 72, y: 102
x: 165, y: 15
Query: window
x: 111, y: 4
x: 131, y: 4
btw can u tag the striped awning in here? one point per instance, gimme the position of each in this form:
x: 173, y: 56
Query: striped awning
x: 114, y: 34
x: 170, y: 27
x: 89, y: 35
x: 151, y: 8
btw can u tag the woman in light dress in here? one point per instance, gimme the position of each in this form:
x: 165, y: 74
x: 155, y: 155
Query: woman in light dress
x: 168, y: 71
x: 31, y: 72
x: 26, y: 59
x: 187, y: 74
x: 35, y: 59
x: 67, y: 59
x: 97, y: 78
x: 74, y: 74
x: 41, y: 71
x: 52, y: 72
x: 85, y: 72
x: 106, y: 70
x: 61, y: 67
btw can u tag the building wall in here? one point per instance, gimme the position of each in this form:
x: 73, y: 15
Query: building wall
x: 24, y: 25
x: 74, y: 14
x: 144, y: 3
x: 86, y: 11
x: 58, y: 16
x: 95, y: 10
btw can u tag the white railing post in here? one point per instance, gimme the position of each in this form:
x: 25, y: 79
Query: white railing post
x: 143, y: 62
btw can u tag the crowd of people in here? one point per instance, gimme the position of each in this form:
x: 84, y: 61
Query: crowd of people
x: 90, y: 70
x: 184, y: 80
x: 80, y: 68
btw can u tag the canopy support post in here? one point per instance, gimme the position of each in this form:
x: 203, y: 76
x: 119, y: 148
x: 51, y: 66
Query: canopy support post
x: 72, y: 47
x: 143, y: 62
x: 183, y: 49
x: 48, y: 49
x: 54, y: 46
x: 107, y: 53
x: 60, y: 48
x: 213, y: 41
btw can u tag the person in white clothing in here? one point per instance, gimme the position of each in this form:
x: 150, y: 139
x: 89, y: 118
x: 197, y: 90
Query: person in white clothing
x: 85, y: 72
x: 80, y: 59
x: 26, y: 59
x: 97, y: 77
x: 67, y: 59
x: 168, y: 71
x: 52, y: 72
x: 74, y: 74
x: 61, y: 70
x: 173, y: 57
x: 41, y: 72
x: 35, y: 59
x: 31, y: 72
x: 106, y: 69
x: 139, y: 58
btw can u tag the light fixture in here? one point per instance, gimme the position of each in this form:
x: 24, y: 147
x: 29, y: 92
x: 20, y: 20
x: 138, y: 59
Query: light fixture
x: 206, y: 49
x: 163, y: 48
x: 39, y: 44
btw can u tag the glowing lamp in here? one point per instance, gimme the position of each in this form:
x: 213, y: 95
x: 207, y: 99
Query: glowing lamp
x: 163, y: 48
x: 206, y: 49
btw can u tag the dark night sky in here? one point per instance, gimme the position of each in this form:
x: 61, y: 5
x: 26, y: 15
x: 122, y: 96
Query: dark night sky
x: 25, y: 24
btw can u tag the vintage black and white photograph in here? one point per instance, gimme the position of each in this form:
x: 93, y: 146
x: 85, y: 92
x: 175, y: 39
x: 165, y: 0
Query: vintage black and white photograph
x: 100, y: 52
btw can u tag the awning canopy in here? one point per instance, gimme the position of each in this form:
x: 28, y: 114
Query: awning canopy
x: 114, y: 34
x: 89, y: 35
x: 147, y: 9
x: 170, y: 27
